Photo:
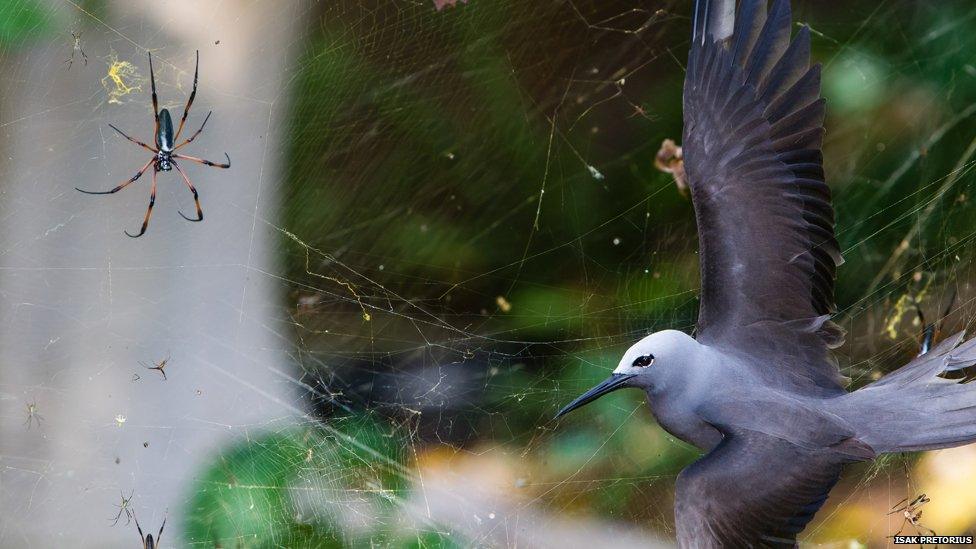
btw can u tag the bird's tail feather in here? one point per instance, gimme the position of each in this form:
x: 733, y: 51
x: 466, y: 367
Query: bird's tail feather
x: 919, y: 407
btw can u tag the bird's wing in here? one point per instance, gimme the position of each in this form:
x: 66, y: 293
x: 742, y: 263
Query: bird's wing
x: 752, y: 139
x: 752, y: 490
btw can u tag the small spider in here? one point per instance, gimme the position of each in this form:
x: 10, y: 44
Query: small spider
x: 147, y: 540
x: 124, y: 508
x: 640, y: 111
x: 164, y: 153
x: 32, y: 415
x: 157, y: 366
x: 76, y: 48
x: 912, y: 513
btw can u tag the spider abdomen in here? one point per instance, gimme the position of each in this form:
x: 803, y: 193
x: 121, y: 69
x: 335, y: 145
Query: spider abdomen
x: 164, y: 135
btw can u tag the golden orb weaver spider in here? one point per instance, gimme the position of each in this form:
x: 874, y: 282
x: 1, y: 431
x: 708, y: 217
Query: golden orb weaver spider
x: 912, y: 513
x: 164, y: 153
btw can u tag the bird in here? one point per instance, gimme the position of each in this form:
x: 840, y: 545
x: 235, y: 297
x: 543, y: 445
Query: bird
x: 756, y: 388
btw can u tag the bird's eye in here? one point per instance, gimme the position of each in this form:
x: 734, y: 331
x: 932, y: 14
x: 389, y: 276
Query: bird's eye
x: 644, y: 361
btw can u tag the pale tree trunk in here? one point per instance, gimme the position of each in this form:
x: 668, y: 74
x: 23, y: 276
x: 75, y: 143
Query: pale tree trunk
x: 81, y: 303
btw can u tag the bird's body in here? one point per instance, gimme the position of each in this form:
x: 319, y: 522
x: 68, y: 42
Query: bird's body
x: 757, y: 389
x: 688, y: 404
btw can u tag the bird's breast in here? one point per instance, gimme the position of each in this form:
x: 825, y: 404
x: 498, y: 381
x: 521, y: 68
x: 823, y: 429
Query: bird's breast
x: 684, y: 423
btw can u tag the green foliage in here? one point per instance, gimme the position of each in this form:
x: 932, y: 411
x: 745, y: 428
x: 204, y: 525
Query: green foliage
x: 302, y: 488
x: 898, y: 148
x: 21, y: 20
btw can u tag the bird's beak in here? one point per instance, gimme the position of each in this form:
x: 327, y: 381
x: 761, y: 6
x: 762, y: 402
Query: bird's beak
x: 614, y: 382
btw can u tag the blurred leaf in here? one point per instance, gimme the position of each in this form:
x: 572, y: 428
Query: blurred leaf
x: 21, y: 20
x: 303, y: 488
x: 855, y: 82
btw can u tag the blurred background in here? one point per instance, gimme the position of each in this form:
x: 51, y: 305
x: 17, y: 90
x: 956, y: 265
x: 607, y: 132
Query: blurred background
x: 442, y: 223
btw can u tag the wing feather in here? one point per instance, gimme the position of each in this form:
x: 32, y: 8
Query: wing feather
x: 753, y: 134
x: 773, y: 42
x: 805, y: 91
x: 801, y: 121
x: 790, y: 68
x: 748, y: 25
x: 753, y: 490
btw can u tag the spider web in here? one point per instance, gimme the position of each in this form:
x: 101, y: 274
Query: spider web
x: 440, y: 226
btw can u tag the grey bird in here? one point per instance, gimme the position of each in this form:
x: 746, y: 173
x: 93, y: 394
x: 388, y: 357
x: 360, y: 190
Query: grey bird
x: 757, y: 389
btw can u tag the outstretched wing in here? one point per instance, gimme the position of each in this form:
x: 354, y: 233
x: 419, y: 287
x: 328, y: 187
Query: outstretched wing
x: 752, y: 490
x: 752, y: 140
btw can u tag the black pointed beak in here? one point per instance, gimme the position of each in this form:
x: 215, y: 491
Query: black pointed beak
x: 614, y: 382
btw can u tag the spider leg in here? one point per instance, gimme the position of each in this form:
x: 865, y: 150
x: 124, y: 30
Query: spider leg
x: 136, y: 141
x: 896, y: 534
x: 948, y: 309
x: 204, y: 162
x: 152, y: 200
x: 152, y: 80
x: 898, y: 507
x: 194, y: 136
x: 196, y: 200
x: 159, y: 536
x: 161, y: 367
x: 124, y: 185
x: 139, y: 529
x: 189, y: 102
x: 932, y: 331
